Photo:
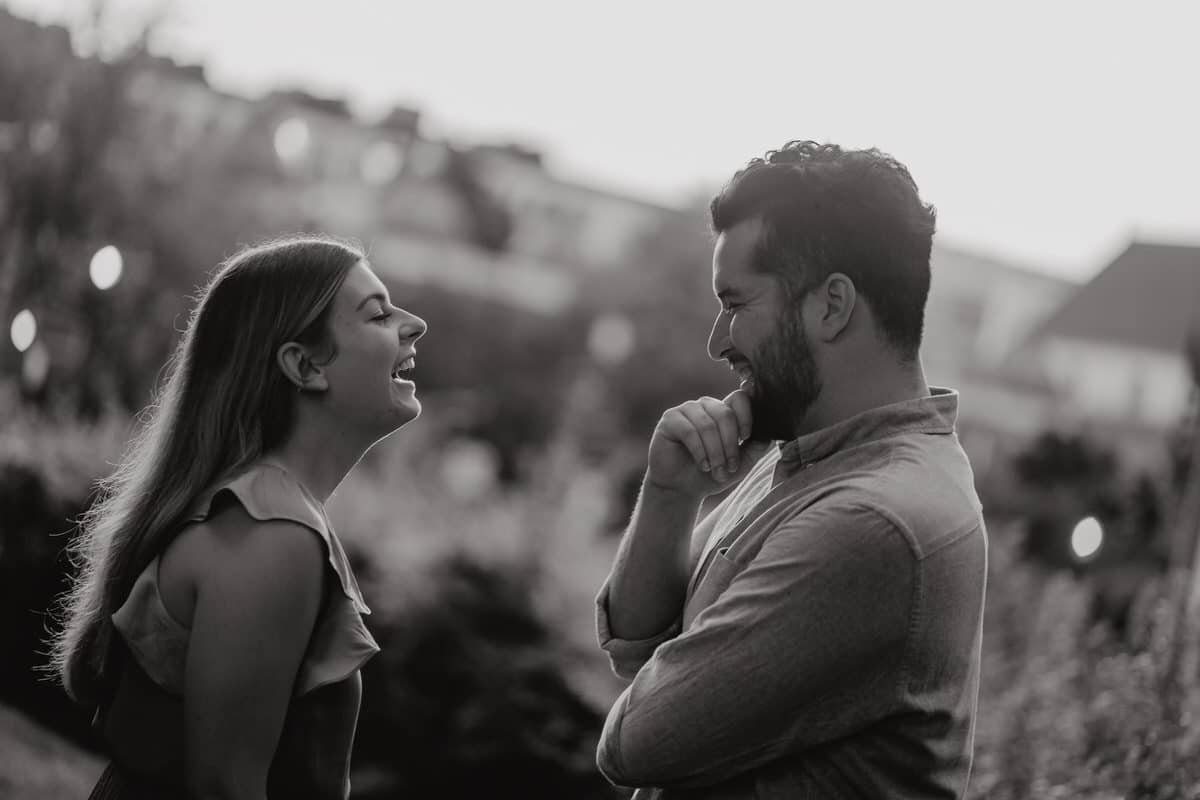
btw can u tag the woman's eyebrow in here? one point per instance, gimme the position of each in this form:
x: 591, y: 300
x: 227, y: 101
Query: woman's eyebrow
x: 376, y: 296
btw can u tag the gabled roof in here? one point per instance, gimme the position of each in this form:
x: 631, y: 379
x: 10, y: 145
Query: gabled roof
x: 1148, y: 297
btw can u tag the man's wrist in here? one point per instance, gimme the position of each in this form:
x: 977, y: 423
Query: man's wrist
x: 653, y: 491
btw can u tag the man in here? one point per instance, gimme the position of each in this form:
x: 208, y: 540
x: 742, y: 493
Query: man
x: 817, y: 635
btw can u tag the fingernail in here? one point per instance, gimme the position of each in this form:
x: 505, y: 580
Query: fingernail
x: 719, y: 473
x: 704, y: 466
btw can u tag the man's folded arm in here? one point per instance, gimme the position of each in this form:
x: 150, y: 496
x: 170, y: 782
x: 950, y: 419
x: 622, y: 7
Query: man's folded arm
x: 821, y: 611
x: 628, y: 655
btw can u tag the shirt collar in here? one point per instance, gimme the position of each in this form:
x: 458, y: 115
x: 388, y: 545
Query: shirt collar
x: 935, y: 414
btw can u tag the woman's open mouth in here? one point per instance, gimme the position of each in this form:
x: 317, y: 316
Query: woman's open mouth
x: 401, y: 372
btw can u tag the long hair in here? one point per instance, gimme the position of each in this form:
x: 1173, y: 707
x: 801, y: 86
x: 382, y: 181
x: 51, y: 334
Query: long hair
x: 224, y: 403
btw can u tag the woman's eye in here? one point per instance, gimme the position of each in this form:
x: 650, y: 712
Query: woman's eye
x: 382, y: 316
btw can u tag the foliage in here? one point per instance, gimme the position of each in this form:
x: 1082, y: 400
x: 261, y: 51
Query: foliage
x: 502, y: 372
x: 1065, y: 477
x: 46, y: 475
x: 667, y: 295
x: 1068, y: 707
x: 488, y: 668
x: 1055, y: 459
x: 467, y: 693
x: 75, y: 175
x: 478, y: 682
x: 490, y: 223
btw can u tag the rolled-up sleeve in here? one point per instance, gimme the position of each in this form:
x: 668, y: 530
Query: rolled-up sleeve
x: 627, y: 655
x: 804, y: 646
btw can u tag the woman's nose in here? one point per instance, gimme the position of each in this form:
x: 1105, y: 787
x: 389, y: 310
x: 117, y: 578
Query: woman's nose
x: 412, y: 327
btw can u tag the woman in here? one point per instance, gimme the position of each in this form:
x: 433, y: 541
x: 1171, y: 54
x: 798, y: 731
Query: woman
x: 216, y: 624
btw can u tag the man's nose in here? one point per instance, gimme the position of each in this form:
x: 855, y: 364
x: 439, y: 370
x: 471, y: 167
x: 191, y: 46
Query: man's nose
x: 718, y: 339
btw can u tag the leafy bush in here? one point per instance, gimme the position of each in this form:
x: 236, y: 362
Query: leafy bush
x: 1069, y: 708
x: 468, y: 696
x: 489, y: 670
x: 1065, y: 477
x: 46, y: 477
x: 478, y: 683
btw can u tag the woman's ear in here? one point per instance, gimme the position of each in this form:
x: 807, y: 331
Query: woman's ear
x: 293, y: 358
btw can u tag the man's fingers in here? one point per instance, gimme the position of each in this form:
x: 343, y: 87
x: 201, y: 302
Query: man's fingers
x: 739, y: 402
x: 708, y: 430
x: 676, y: 425
x: 727, y: 429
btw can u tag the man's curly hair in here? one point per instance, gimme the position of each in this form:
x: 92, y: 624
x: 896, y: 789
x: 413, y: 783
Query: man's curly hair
x: 826, y: 210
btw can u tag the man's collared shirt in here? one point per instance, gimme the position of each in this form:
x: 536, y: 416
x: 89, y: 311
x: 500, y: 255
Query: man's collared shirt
x: 829, y: 641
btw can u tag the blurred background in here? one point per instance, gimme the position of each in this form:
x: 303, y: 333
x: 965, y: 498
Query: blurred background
x: 533, y: 180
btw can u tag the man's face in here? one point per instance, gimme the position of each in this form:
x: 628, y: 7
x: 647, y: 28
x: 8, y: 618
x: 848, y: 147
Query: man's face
x: 761, y: 336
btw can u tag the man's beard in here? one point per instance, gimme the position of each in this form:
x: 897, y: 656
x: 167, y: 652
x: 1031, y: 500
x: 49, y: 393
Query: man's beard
x: 786, y: 383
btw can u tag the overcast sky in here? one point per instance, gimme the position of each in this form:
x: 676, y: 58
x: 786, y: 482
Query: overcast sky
x: 1046, y: 132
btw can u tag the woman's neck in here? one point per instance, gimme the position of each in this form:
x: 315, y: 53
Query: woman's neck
x: 318, y: 462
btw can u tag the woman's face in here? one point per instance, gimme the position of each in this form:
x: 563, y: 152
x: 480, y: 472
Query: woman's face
x: 376, y: 347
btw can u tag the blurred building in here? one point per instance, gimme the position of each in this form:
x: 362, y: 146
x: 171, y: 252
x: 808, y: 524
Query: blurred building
x: 979, y: 310
x: 489, y: 219
x: 1026, y: 350
x: 1113, y: 354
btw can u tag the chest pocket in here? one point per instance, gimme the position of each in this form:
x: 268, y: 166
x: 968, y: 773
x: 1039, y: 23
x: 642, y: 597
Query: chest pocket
x: 717, y: 576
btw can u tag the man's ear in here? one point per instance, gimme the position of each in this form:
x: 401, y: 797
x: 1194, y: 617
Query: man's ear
x: 839, y: 299
x: 294, y: 359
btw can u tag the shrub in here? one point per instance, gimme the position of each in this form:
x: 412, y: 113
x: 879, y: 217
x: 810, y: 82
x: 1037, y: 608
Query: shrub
x: 1069, y: 708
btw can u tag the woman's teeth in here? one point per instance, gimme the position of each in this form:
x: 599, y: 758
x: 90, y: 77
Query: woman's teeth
x: 404, y: 366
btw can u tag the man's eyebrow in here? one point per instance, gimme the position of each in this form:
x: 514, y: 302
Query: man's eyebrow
x: 376, y: 296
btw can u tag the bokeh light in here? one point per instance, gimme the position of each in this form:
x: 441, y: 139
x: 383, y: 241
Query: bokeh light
x: 381, y: 163
x: 35, y: 367
x: 106, y: 267
x: 1087, y: 537
x: 292, y: 140
x: 43, y: 137
x: 611, y: 339
x: 470, y: 468
x: 24, y: 330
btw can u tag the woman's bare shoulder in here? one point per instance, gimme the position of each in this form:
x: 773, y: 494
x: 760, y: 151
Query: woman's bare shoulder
x: 242, y: 554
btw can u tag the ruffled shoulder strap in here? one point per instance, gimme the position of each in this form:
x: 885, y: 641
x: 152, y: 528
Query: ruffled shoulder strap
x: 267, y: 491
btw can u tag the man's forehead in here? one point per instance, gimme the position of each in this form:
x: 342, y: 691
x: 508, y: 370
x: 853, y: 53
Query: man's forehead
x: 734, y: 254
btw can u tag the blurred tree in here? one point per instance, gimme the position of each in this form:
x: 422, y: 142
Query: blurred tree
x: 1069, y: 476
x: 88, y: 158
x: 57, y: 192
x: 33, y: 570
x: 1057, y: 459
x: 500, y: 373
x: 666, y: 292
x: 66, y: 192
x: 467, y: 698
x: 490, y: 222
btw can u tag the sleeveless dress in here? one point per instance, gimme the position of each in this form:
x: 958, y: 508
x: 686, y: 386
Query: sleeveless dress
x: 143, y: 725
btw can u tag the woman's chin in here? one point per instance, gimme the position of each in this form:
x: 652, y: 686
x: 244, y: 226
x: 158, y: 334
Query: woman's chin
x: 407, y: 410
